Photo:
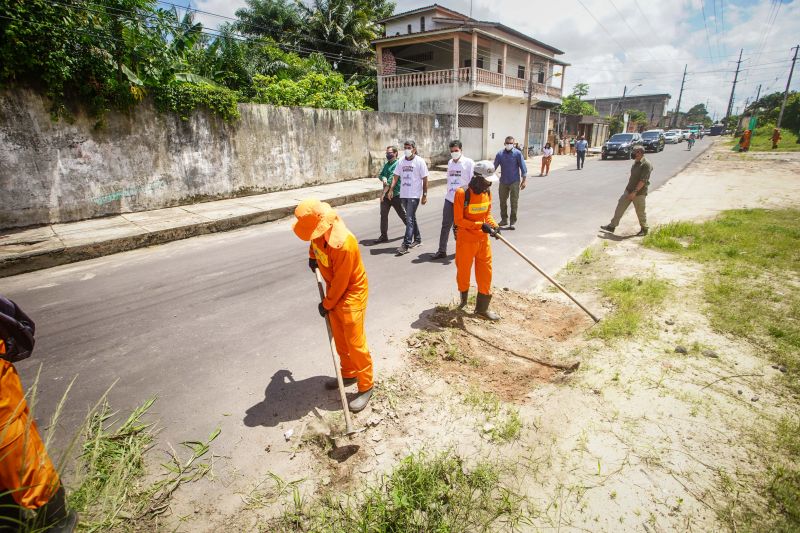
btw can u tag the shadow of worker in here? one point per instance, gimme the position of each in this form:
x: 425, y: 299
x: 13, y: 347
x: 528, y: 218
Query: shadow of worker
x: 286, y: 399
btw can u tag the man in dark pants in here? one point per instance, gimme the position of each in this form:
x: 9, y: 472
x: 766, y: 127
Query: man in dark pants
x: 635, y: 193
x: 386, y: 176
x: 513, y: 174
x: 580, y: 148
x: 459, y: 173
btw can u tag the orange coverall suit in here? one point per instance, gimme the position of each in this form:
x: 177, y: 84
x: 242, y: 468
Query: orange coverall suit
x: 346, y: 300
x: 472, y: 244
x: 25, y: 468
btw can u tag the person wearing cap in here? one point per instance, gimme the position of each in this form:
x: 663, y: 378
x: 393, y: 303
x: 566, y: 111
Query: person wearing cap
x: 28, y: 479
x: 459, y: 172
x: 333, y: 250
x: 635, y: 193
x: 472, y: 212
x: 412, y: 173
x: 513, y: 174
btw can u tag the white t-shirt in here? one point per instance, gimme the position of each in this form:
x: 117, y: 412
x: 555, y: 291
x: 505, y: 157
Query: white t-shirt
x: 459, y: 174
x: 546, y: 152
x: 411, y: 174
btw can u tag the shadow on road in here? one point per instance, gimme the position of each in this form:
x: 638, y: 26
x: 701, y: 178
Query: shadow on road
x: 286, y: 399
x: 371, y: 242
x: 383, y: 251
x: 616, y: 238
x: 428, y: 258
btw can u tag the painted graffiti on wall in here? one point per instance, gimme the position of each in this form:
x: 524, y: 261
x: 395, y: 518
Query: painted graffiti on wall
x: 129, y: 191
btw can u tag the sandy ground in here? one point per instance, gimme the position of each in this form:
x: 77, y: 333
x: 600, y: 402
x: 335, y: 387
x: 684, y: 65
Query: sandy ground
x: 636, y: 438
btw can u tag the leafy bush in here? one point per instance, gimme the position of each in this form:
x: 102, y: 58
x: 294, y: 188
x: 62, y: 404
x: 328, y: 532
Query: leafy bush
x: 183, y: 98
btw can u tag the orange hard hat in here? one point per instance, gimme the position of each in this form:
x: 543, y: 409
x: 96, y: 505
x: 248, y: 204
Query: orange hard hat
x: 314, y: 218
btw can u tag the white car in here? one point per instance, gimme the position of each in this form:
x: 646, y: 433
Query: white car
x: 672, y: 137
x: 686, y: 134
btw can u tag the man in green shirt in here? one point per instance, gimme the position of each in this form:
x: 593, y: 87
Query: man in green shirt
x: 635, y: 193
x: 386, y: 176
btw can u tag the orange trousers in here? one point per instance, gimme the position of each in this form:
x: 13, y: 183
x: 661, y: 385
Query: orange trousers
x: 546, y: 165
x: 25, y: 468
x: 479, y: 252
x: 351, y: 344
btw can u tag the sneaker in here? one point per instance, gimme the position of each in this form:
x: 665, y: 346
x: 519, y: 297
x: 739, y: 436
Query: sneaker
x: 642, y: 232
x: 415, y: 244
x: 403, y: 250
x: 379, y: 240
x: 439, y: 255
x: 511, y: 227
x: 503, y: 223
x: 333, y: 383
x: 609, y: 229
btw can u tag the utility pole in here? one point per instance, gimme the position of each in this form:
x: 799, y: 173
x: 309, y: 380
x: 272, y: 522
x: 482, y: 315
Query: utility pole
x: 758, y: 94
x: 733, y: 89
x: 680, y: 95
x: 786, y: 92
x: 527, y: 115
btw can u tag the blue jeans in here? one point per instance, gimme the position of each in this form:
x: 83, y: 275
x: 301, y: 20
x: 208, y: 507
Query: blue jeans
x: 412, y: 230
x: 581, y: 158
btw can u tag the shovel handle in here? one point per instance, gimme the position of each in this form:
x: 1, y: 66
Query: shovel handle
x: 543, y: 273
x: 336, y: 364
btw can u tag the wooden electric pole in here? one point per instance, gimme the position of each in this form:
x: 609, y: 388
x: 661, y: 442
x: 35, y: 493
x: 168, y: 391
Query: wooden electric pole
x: 680, y: 95
x: 733, y: 89
x: 786, y: 92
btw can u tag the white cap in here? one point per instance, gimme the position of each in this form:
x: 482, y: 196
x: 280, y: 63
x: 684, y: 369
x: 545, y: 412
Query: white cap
x: 485, y: 169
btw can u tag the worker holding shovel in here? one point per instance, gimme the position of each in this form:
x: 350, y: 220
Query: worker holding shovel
x: 472, y: 213
x: 334, y: 251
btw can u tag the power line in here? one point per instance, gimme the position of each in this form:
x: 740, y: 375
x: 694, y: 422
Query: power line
x: 629, y: 26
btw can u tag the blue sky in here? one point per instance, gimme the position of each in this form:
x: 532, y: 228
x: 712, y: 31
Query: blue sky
x: 642, y: 44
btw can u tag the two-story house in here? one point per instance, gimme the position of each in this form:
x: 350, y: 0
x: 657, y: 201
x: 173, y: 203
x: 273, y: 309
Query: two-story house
x: 436, y: 60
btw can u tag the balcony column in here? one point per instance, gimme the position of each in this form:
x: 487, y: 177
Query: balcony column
x: 474, y: 66
x: 456, y: 59
x: 505, y: 65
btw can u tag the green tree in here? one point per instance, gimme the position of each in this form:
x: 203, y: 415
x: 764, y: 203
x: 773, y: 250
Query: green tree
x: 311, y: 90
x: 580, y: 90
x: 572, y: 105
x: 637, y: 117
x: 279, y: 20
x: 697, y: 114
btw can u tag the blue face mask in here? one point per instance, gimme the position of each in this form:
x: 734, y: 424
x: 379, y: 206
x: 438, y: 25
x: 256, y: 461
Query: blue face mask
x: 389, y: 156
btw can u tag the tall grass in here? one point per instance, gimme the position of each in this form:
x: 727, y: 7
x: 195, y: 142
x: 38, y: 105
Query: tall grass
x: 633, y: 300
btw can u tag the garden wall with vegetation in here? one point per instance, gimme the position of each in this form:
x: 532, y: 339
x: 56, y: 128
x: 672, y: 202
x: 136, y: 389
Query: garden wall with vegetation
x: 68, y: 170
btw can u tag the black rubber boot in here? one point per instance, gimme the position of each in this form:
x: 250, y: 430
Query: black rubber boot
x: 54, y: 516
x: 333, y: 383
x: 360, y: 402
x: 464, y: 298
x: 482, y: 307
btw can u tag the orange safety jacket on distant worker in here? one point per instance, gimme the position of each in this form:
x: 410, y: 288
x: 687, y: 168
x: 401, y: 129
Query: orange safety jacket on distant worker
x: 25, y: 468
x: 472, y: 244
x: 346, y: 300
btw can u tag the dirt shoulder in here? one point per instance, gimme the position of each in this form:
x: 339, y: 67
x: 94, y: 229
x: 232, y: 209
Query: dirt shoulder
x: 657, y: 429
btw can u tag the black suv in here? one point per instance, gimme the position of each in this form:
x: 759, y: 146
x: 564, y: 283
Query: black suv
x: 621, y: 144
x: 653, y: 140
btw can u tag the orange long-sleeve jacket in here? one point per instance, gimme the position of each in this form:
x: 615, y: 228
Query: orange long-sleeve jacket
x: 343, y: 272
x: 470, y: 218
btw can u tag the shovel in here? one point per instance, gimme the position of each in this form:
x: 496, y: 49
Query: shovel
x: 336, y: 365
x: 542, y: 272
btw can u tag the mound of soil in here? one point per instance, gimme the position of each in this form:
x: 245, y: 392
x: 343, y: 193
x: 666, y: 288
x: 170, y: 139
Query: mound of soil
x: 504, y: 357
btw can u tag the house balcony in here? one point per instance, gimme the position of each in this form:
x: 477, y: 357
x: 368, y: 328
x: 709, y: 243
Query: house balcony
x: 484, y: 82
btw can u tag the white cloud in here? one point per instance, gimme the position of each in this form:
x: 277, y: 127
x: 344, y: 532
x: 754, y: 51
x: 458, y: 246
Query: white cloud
x: 226, y: 8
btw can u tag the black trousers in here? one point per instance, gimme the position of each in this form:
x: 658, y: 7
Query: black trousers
x: 386, y: 206
x: 581, y: 158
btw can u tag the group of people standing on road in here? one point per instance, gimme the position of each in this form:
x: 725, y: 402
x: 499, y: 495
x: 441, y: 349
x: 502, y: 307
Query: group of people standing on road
x: 466, y: 211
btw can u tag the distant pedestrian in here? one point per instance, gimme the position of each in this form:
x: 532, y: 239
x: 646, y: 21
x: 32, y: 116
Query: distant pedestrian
x: 547, y: 158
x: 572, y: 146
x: 580, y: 148
x: 459, y: 173
x: 635, y: 192
x: 412, y: 173
x: 386, y: 176
x: 560, y: 146
x: 513, y: 173
x: 776, y: 137
x: 744, y: 141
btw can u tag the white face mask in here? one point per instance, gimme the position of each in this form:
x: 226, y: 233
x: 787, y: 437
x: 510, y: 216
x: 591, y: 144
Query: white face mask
x: 408, y: 153
x: 455, y: 155
x: 509, y: 147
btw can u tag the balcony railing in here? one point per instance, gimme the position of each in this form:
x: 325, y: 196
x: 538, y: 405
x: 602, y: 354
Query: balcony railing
x: 463, y: 75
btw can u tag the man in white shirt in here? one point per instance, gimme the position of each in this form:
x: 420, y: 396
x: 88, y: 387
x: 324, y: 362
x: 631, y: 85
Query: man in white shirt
x: 459, y: 173
x: 412, y: 171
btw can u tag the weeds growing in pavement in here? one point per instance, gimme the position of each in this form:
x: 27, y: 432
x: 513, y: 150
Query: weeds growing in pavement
x: 633, y: 299
x: 502, y: 423
x: 752, y: 290
x: 422, y: 493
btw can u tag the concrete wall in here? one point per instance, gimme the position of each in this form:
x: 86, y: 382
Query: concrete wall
x: 504, y: 117
x: 655, y: 106
x: 65, y: 171
x: 437, y: 99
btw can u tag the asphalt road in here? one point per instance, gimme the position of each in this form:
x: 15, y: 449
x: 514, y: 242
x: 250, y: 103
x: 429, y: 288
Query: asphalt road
x: 224, y: 328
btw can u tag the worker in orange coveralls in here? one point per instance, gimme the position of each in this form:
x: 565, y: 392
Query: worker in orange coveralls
x: 334, y: 250
x: 472, y: 215
x: 27, y: 477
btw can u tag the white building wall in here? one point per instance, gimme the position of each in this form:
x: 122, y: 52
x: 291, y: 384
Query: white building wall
x: 436, y: 99
x: 504, y: 117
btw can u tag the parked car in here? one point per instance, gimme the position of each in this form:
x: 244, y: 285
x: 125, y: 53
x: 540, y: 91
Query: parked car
x: 653, y: 140
x: 678, y: 134
x: 706, y: 132
x: 620, y: 144
x: 672, y: 137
